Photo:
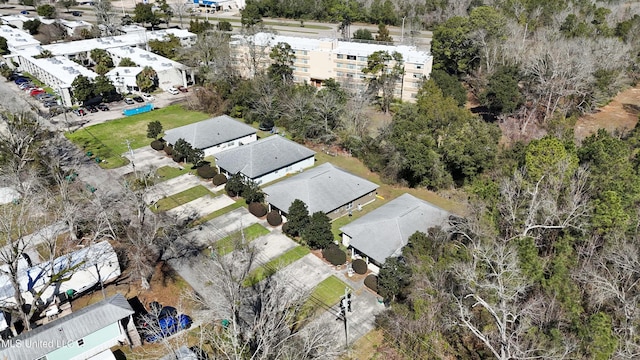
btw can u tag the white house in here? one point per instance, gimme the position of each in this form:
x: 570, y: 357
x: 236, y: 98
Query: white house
x: 75, y: 27
x: 88, y: 333
x: 266, y: 160
x: 169, y: 72
x: 383, y: 232
x: 213, y: 135
x: 124, y: 78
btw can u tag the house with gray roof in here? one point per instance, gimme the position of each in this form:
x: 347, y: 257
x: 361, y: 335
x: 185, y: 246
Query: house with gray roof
x: 87, y: 333
x: 213, y: 135
x: 265, y: 160
x: 383, y: 232
x: 325, y: 188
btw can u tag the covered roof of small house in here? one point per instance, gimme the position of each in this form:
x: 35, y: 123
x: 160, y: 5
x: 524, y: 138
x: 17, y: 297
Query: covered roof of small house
x: 207, y: 133
x: 323, y: 188
x: 383, y: 232
x: 263, y: 156
x: 68, y: 329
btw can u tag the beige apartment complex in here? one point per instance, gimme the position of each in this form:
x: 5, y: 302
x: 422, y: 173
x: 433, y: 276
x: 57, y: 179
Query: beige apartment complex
x: 317, y: 60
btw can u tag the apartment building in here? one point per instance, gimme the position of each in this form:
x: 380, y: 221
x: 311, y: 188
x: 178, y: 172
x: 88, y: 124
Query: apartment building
x: 317, y: 60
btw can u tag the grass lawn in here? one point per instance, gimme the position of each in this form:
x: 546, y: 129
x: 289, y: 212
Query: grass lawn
x: 272, y: 266
x: 165, y: 173
x: 181, y: 198
x: 108, y: 140
x: 328, y: 292
x: 239, y: 203
x: 226, y: 245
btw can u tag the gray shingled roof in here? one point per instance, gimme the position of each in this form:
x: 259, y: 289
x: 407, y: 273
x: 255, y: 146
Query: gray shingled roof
x: 262, y: 157
x: 207, y: 133
x: 68, y: 329
x: 383, y: 232
x: 323, y: 188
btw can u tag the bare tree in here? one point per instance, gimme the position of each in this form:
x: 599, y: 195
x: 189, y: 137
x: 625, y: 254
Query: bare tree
x: 18, y: 151
x: 106, y: 17
x: 211, y: 56
x: 181, y: 9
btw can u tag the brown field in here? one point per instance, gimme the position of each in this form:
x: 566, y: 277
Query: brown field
x: 620, y: 114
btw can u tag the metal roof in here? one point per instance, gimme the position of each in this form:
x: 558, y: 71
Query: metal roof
x: 67, y: 330
x: 323, y: 188
x: 262, y: 157
x: 383, y: 232
x: 207, y: 133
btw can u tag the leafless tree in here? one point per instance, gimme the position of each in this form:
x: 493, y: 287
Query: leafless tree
x: 613, y: 277
x: 18, y: 151
x: 254, y: 50
x: 355, y: 118
x: 106, y: 17
x: 211, y: 56
x: 262, y: 321
x: 181, y: 9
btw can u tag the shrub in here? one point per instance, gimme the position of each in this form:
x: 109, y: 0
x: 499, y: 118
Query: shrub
x: 359, y: 266
x: 207, y: 172
x: 287, y: 229
x: 258, y: 209
x: 168, y: 149
x: 334, y: 255
x: 274, y: 218
x: 177, y: 157
x: 157, y: 145
x: 219, y: 179
x: 371, y: 282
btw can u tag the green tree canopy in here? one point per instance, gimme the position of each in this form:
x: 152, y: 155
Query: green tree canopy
x: 502, y: 94
x: 147, y: 79
x: 47, y: 11
x: 394, y: 278
x: 165, y: 48
x: 31, y: 26
x: 318, y: 233
x: 4, y: 46
x: 250, y: 15
x: 297, y: 217
x: 154, y: 129
x: 224, y: 26
x: 83, y: 88
x: 383, y: 34
x: 363, y: 34
x: 384, y: 70
x: 543, y: 157
x: 127, y: 62
x: 143, y: 13
x: 281, y: 67
x: 67, y: 4
x: 452, y: 49
x: 450, y: 86
x: 104, y: 87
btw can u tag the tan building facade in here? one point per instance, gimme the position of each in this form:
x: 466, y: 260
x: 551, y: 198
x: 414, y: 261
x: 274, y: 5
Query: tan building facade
x: 317, y: 60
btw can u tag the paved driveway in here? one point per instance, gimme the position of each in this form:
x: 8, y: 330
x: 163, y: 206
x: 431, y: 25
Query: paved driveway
x: 171, y: 186
x: 223, y: 225
x: 145, y: 159
x: 201, y: 206
x: 269, y: 247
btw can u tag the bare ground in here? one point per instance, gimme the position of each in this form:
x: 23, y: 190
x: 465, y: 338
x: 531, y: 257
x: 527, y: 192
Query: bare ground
x: 620, y: 114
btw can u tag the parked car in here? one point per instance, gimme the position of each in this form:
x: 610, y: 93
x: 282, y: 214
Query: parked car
x: 24, y: 12
x: 129, y: 101
x: 173, y: 91
x: 21, y: 80
x: 182, y: 89
x: 166, y: 326
x: 148, y: 97
x: 50, y: 103
x: 76, y: 13
x: 103, y: 107
x: 79, y: 112
x: 37, y: 91
x: 138, y: 99
x: 45, y: 97
x: 24, y: 85
x: 91, y: 109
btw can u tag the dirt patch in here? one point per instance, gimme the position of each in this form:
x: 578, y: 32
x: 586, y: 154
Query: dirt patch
x: 621, y: 114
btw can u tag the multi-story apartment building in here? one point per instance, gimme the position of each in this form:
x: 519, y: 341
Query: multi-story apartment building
x: 317, y: 60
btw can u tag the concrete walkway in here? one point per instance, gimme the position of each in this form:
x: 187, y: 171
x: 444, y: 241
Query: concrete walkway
x: 223, y: 225
x: 306, y: 273
x: 200, y: 207
x: 171, y: 186
x: 145, y: 159
x: 269, y: 247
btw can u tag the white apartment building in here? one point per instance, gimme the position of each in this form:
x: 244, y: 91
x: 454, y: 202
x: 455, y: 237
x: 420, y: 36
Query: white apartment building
x: 317, y: 60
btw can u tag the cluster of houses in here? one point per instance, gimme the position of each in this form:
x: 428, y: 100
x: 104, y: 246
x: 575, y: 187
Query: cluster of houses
x: 374, y: 237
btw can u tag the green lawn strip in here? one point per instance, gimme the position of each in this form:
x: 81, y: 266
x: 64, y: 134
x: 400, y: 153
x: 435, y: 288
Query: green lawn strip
x: 326, y: 293
x: 226, y: 245
x: 108, y: 140
x: 239, y: 203
x: 272, y: 266
x: 165, y: 173
x: 181, y: 198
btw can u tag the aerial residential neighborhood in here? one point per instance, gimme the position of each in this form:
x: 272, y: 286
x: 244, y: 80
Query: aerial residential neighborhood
x: 188, y: 180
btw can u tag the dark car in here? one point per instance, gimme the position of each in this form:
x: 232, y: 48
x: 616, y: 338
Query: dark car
x: 166, y: 326
x: 21, y: 80
x: 138, y: 99
x: 49, y: 104
x: 76, y: 13
x: 103, y: 107
x: 182, y: 89
x: 92, y: 109
x: 24, y: 12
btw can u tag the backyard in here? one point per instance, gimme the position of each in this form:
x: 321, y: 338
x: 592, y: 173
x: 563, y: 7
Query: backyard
x: 108, y: 141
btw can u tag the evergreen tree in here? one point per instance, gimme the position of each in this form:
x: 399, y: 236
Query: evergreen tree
x: 318, y: 233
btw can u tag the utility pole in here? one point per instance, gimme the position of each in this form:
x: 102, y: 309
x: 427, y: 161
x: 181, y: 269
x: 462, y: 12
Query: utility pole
x: 345, y: 305
x: 402, y: 34
x: 131, y: 153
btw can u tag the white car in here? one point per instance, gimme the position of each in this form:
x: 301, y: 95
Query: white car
x: 148, y: 97
x: 173, y: 91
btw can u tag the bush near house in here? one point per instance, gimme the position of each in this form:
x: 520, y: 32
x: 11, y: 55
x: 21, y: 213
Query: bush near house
x: 286, y: 228
x: 157, y: 145
x: 168, y: 150
x: 207, y: 172
x: 257, y: 209
x: 359, y: 266
x: 334, y: 255
x: 177, y: 157
x: 371, y: 282
x: 274, y: 218
x: 219, y: 179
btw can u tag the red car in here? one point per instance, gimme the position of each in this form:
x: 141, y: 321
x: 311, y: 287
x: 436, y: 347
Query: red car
x: 182, y: 89
x: 35, y: 92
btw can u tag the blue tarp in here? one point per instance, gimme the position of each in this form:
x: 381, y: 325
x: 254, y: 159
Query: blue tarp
x: 139, y: 110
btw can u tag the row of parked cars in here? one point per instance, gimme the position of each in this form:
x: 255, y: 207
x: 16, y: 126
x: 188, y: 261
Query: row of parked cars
x: 25, y: 84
